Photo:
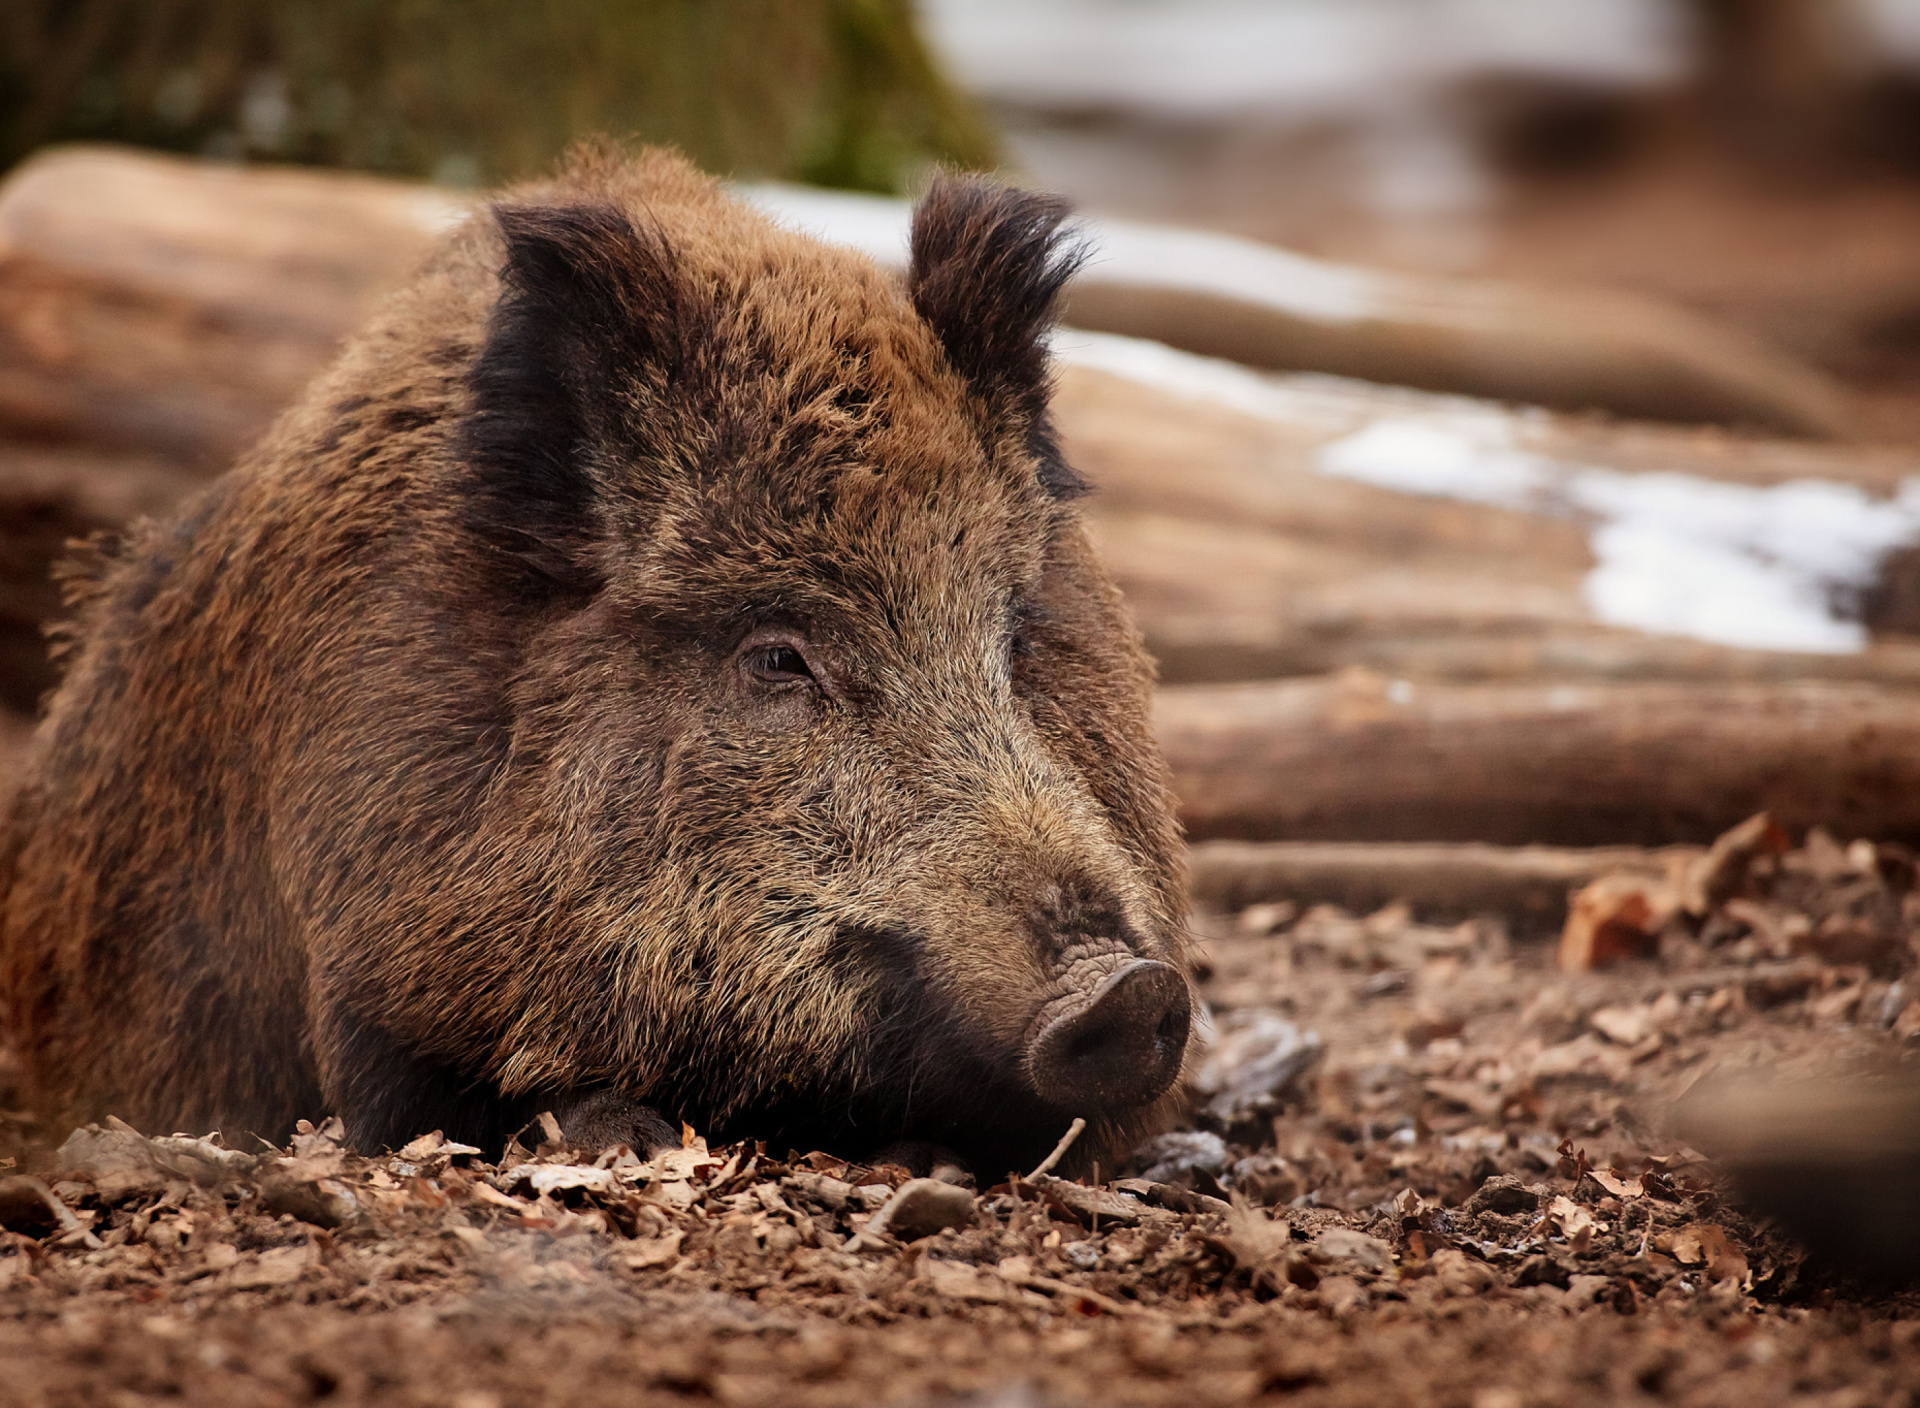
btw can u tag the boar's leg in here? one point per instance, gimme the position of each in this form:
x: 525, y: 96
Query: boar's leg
x: 386, y: 1093
x: 599, y: 1119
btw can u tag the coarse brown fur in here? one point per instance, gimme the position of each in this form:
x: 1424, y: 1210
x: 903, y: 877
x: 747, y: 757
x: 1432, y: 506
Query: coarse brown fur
x: 440, y: 763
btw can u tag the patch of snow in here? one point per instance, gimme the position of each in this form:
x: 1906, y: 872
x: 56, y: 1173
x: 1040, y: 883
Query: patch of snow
x: 875, y: 225
x: 1324, y: 403
x: 1166, y: 257
x: 1891, y: 28
x: 1765, y: 568
x: 1442, y: 459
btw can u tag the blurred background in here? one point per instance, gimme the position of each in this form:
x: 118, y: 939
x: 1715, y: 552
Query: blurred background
x: 1506, y: 413
x: 1753, y: 158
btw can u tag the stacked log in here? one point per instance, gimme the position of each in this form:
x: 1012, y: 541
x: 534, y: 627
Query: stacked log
x: 1341, y: 661
x: 1242, y: 560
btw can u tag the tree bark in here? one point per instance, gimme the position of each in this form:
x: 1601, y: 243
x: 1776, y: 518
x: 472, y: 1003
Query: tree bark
x: 1569, y: 349
x: 292, y: 260
x: 1221, y: 602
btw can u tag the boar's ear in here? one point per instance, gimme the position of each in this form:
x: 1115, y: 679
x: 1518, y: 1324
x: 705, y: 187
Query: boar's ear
x: 989, y: 263
x: 588, y: 302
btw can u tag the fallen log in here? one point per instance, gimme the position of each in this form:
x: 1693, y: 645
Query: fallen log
x: 1441, y: 881
x: 1357, y: 757
x: 1264, y: 525
x: 1221, y: 602
x: 174, y: 306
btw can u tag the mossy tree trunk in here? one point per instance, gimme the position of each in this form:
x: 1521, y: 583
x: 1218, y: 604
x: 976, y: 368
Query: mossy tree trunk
x: 480, y: 91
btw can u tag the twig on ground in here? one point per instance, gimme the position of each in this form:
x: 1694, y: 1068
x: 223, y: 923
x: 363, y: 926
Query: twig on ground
x: 69, y: 1224
x: 1059, y: 1150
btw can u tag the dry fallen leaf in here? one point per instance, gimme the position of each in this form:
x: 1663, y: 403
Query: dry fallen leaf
x: 650, y: 1251
x: 1617, y: 916
x: 1344, y: 1244
x: 1459, y: 1275
x: 1625, y: 1026
x: 1261, y: 1246
x: 1616, y: 1185
x: 1571, y: 1221
x: 555, y: 1178
x: 277, y: 1266
x: 958, y: 1281
x: 425, y: 1147
x: 1721, y: 873
x: 1703, y: 1243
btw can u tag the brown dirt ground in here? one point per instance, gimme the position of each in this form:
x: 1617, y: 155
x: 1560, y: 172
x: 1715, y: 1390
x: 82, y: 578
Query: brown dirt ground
x: 1415, y: 1222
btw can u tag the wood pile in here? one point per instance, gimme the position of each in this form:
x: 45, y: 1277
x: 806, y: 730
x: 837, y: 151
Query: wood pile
x: 1341, y: 662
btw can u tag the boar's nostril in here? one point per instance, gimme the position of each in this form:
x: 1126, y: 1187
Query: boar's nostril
x: 1121, y: 1047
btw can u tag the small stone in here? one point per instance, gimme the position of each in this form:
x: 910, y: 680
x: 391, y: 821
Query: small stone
x: 1505, y: 1194
x: 1257, y: 1065
x: 922, y: 1207
x: 1341, y: 1295
x: 1344, y: 1244
x: 1176, y: 1157
x: 1460, y: 1276
x: 1542, y: 1271
x: 1585, y: 1290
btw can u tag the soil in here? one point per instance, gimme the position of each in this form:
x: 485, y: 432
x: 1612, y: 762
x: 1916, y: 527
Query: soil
x: 1468, y: 1191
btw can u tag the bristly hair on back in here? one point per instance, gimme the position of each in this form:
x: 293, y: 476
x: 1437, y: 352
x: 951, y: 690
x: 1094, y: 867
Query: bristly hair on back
x: 989, y: 266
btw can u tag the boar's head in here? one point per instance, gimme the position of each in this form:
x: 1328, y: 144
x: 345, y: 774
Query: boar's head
x: 758, y: 737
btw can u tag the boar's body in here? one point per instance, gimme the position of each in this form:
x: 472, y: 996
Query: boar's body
x: 657, y: 671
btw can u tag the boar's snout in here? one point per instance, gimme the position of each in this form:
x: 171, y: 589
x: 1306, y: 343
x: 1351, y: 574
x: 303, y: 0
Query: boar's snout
x: 1118, y: 1046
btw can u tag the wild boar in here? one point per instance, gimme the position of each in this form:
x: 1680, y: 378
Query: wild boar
x: 658, y: 675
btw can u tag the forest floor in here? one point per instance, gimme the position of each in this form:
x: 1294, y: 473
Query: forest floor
x: 1468, y: 1192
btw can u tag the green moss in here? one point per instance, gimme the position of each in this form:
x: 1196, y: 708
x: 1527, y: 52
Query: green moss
x: 840, y: 92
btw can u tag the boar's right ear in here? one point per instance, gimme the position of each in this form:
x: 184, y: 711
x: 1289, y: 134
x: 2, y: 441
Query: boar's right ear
x: 588, y: 303
x: 989, y: 265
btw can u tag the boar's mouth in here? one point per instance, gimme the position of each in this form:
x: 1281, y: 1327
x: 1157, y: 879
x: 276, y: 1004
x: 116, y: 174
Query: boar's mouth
x: 1111, y: 1043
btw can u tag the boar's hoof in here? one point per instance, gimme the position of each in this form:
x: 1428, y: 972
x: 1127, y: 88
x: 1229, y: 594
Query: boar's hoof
x: 1119, y: 1048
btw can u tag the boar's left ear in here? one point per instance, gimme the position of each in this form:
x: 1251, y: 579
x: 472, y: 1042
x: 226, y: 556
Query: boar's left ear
x: 588, y: 301
x: 989, y: 264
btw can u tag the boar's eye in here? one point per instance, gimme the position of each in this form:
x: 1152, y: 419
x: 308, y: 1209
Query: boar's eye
x: 777, y: 664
